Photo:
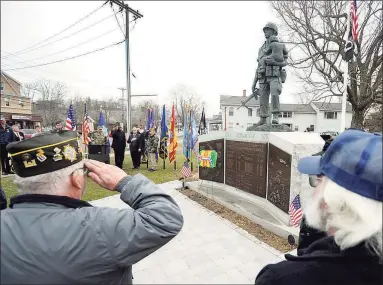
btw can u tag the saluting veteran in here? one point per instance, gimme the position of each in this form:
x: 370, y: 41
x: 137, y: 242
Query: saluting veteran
x: 50, y: 236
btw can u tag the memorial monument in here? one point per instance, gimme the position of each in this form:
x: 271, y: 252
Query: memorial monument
x: 270, y: 75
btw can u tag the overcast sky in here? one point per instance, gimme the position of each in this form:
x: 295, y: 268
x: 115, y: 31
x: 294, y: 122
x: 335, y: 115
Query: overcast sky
x: 210, y: 46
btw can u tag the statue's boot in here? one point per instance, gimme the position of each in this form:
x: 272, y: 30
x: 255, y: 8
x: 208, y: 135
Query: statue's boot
x: 262, y: 121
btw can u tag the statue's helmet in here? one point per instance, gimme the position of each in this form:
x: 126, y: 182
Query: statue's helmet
x: 272, y: 26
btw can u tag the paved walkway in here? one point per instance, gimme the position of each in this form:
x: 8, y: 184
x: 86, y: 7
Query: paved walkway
x: 208, y: 250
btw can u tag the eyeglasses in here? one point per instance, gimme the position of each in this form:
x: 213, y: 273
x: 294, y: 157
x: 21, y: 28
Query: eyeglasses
x: 314, y: 180
x: 86, y: 171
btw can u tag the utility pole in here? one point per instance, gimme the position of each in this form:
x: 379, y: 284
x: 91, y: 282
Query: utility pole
x: 122, y: 103
x: 136, y: 15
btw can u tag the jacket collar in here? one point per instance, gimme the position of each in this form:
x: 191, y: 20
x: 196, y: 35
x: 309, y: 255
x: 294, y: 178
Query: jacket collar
x: 326, y: 248
x: 41, y: 198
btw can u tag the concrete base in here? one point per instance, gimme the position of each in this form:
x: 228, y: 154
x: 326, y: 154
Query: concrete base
x: 256, y: 209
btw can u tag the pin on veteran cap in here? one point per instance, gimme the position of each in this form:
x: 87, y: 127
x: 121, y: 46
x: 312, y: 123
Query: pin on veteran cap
x: 45, y: 153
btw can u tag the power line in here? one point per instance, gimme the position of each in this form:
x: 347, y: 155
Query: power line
x: 65, y: 59
x: 118, y: 22
x: 83, y: 18
x: 60, y: 39
x: 80, y: 44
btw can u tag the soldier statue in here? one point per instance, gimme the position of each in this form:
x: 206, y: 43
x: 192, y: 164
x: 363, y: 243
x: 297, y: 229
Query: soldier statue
x: 270, y: 75
x: 98, y: 138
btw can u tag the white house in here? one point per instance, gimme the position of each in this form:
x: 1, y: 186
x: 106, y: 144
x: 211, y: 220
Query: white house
x: 318, y: 116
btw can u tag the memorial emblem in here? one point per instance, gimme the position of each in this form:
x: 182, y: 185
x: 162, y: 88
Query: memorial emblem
x: 28, y: 161
x: 70, y: 153
x: 57, y: 155
x: 40, y: 155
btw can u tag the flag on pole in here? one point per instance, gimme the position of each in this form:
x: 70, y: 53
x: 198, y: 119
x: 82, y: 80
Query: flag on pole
x: 186, y: 171
x: 173, y: 138
x: 102, y: 123
x: 70, y: 123
x: 295, y: 211
x: 193, y: 133
x: 164, y: 135
x: 202, y: 123
x: 354, y: 18
x: 185, y: 145
x: 85, y: 128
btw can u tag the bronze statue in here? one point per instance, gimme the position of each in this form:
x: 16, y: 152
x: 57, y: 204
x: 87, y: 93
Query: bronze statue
x: 270, y: 75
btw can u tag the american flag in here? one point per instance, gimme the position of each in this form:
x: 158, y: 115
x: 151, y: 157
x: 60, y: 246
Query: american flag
x: 295, y: 211
x: 186, y: 171
x: 85, y: 128
x: 354, y: 17
x: 70, y: 123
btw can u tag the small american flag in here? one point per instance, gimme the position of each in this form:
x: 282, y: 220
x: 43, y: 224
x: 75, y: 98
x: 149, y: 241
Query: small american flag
x: 295, y: 211
x: 186, y: 171
x: 70, y: 123
x: 354, y: 17
x: 85, y: 128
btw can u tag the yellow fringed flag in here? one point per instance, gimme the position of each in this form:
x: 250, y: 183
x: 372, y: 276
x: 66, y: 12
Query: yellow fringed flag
x: 173, y: 137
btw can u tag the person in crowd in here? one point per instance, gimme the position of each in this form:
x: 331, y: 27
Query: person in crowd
x: 347, y: 204
x: 6, y: 136
x: 38, y: 130
x: 136, y: 142
x: 19, y: 136
x: 50, y: 236
x: 58, y: 127
x: 118, y: 145
x: 152, y: 149
x: 144, y: 143
x: 3, y: 199
x: 98, y: 138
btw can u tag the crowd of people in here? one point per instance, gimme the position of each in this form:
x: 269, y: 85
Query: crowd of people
x: 143, y: 145
x: 340, y: 239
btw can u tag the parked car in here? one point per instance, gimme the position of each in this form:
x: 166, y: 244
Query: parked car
x: 28, y: 133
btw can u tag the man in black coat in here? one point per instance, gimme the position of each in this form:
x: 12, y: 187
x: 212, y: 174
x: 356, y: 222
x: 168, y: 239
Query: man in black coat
x: 347, y: 204
x: 118, y: 145
x: 6, y: 136
x: 136, y: 142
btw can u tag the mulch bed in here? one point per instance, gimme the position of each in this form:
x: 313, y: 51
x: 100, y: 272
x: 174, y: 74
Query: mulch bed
x: 256, y: 230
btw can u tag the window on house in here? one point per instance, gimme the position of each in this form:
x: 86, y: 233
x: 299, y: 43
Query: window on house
x: 2, y: 86
x: 312, y: 128
x: 285, y: 114
x: 231, y: 111
x: 6, y: 100
x: 331, y: 115
x: 296, y: 128
x: 250, y: 112
x: 258, y: 113
x: 230, y: 125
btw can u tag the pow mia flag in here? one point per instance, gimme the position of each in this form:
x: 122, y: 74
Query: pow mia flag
x: 348, y: 50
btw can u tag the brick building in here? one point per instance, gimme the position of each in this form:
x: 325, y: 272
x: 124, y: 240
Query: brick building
x: 14, y: 107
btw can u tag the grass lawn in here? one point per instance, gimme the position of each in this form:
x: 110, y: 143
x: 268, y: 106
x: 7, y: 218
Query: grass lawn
x: 94, y: 192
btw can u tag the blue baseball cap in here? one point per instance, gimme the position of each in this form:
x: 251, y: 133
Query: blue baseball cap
x: 353, y: 160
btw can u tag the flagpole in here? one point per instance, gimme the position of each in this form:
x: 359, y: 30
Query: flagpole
x: 345, y: 75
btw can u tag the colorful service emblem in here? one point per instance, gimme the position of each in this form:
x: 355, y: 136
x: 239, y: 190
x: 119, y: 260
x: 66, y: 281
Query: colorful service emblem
x: 40, y: 155
x: 57, y: 155
x: 70, y: 153
x: 207, y: 158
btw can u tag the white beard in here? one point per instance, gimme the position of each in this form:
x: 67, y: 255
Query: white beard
x: 316, y: 216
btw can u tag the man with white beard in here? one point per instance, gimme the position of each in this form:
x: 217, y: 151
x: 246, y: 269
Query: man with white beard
x: 347, y: 204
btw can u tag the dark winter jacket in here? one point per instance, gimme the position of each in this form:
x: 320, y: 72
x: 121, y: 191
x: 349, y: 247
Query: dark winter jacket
x: 136, y: 142
x: 307, y: 236
x: 6, y: 135
x: 119, y: 139
x: 3, y: 199
x: 324, y: 263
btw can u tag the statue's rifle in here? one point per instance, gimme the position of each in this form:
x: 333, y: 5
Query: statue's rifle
x: 254, y: 95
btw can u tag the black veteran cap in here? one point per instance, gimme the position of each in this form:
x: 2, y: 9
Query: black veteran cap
x: 44, y: 153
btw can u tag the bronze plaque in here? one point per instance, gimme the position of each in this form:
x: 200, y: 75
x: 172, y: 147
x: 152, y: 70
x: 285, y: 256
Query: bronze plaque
x: 246, y: 164
x: 213, y: 174
x: 279, y: 176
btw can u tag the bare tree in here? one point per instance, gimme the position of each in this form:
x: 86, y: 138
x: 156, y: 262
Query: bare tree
x: 374, y: 120
x: 316, y: 31
x: 51, y: 104
x: 183, y: 97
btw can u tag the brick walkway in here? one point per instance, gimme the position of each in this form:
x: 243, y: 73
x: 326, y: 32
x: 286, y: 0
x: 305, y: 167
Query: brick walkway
x: 208, y: 250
